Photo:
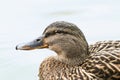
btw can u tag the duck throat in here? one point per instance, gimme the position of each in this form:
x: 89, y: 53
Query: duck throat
x: 74, y: 57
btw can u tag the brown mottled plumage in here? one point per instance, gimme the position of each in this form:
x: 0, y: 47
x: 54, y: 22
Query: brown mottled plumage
x: 75, y: 60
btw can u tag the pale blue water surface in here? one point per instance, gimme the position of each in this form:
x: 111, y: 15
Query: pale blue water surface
x: 24, y: 20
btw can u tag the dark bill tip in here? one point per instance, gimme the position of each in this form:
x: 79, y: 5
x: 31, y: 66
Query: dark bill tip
x: 23, y: 47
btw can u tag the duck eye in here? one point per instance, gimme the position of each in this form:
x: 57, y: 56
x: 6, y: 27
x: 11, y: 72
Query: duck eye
x: 47, y: 34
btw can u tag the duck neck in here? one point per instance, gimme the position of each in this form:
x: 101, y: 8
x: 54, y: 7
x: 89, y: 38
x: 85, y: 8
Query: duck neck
x: 74, y: 57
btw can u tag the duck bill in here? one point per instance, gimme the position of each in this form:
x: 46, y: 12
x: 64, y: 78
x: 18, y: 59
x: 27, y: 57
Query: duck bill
x: 35, y: 44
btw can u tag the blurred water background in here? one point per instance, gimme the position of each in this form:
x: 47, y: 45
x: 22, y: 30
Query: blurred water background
x: 24, y: 20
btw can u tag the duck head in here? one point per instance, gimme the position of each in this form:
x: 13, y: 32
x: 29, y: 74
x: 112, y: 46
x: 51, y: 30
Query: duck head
x: 65, y: 38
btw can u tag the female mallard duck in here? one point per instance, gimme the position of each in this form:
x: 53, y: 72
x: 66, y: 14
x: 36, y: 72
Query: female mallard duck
x: 75, y: 60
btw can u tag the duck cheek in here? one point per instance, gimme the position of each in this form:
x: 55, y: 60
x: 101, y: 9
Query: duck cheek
x: 55, y: 48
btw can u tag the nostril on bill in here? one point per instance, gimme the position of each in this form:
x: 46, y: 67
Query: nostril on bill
x: 38, y: 40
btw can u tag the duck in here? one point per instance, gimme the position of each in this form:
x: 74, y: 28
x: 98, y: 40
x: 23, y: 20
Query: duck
x: 75, y: 59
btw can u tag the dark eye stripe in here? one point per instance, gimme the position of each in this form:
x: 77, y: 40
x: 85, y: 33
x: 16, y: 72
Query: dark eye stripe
x: 54, y: 32
x: 48, y: 34
x: 61, y: 32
